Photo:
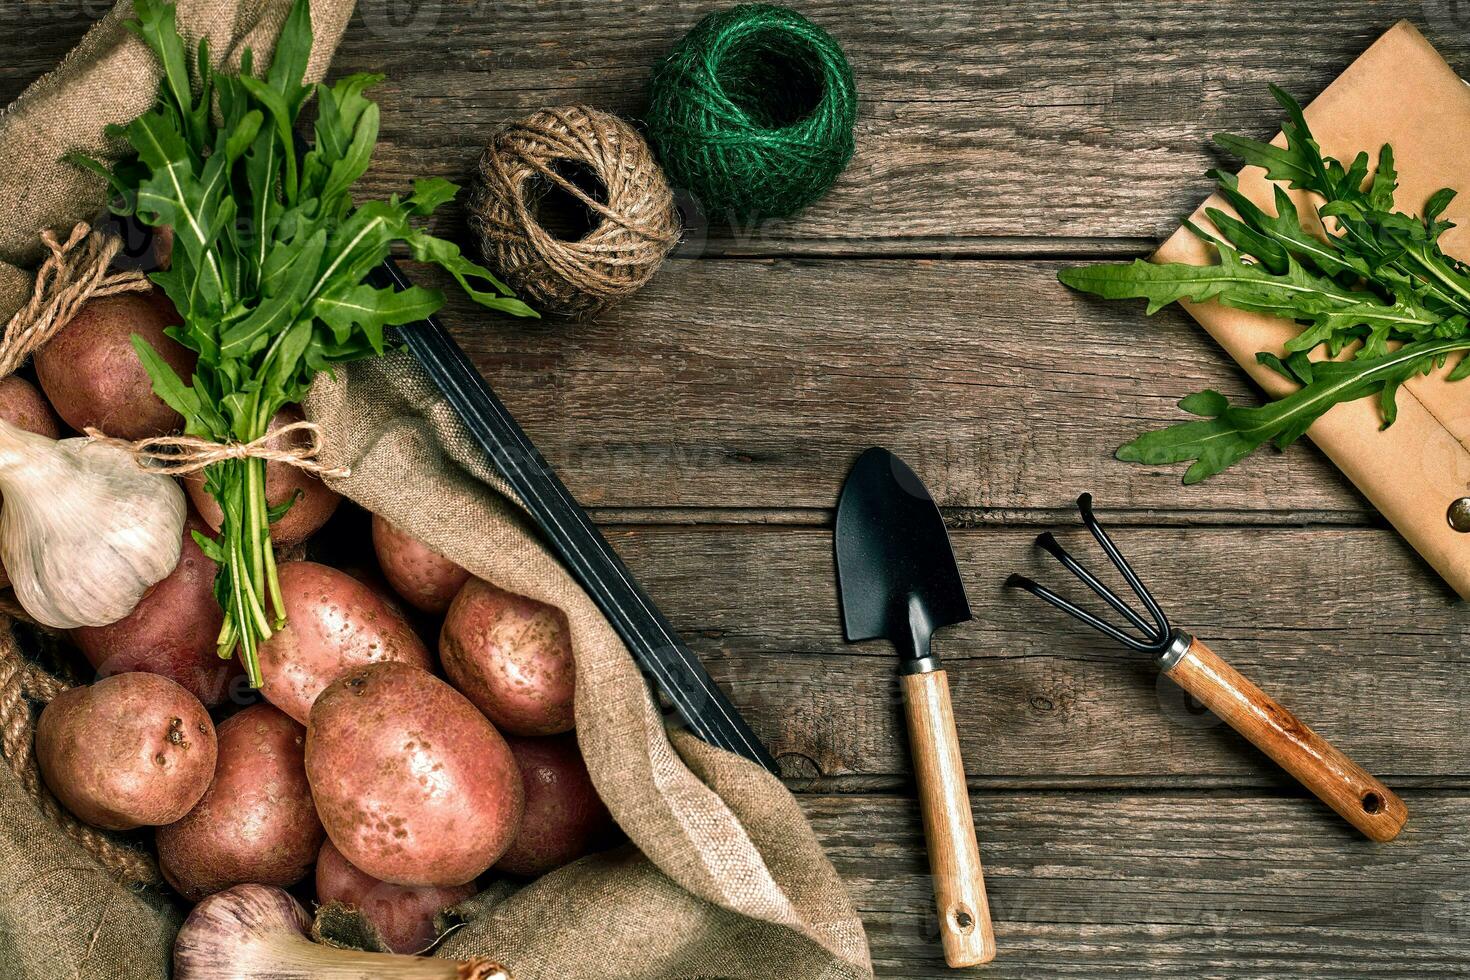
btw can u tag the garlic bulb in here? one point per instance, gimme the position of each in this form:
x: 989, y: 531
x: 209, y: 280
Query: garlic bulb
x: 84, y: 532
x: 258, y: 932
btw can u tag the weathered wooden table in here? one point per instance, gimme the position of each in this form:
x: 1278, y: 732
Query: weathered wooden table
x: 710, y: 421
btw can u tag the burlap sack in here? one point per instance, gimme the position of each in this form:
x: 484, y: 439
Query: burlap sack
x: 727, y: 879
x: 722, y: 875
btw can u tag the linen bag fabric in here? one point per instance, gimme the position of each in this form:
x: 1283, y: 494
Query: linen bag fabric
x: 722, y: 875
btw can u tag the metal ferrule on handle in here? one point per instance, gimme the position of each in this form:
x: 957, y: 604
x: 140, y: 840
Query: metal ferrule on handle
x: 1179, y: 644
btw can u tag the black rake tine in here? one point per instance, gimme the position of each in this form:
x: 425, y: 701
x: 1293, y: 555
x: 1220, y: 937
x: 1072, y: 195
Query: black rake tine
x: 1084, y: 504
x: 1048, y: 543
x: 1102, y: 626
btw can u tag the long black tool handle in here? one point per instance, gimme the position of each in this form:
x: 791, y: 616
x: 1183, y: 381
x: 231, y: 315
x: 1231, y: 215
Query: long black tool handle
x: 577, y: 542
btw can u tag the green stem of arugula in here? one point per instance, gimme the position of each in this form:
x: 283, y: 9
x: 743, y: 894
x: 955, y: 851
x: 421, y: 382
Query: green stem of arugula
x: 242, y: 613
x: 254, y: 577
x: 257, y: 613
x: 1429, y: 351
x: 273, y: 586
x: 255, y: 518
x: 1460, y: 302
x: 253, y: 572
x: 1434, y: 269
x: 264, y: 412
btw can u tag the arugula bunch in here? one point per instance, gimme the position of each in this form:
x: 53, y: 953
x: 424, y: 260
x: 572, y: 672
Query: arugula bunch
x: 1362, y: 274
x: 269, y: 266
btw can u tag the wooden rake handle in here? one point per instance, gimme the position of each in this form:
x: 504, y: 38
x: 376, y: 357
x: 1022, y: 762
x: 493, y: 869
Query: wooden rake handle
x: 949, y: 828
x: 1338, y: 781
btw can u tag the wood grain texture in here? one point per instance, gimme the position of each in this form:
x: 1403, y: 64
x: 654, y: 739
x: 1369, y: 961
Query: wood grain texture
x: 1344, y: 625
x: 727, y: 401
x: 741, y: 384
x: 1090, y: 118
x: 964, y: 924
x: 1176, y: 885
x: 1358, y: 797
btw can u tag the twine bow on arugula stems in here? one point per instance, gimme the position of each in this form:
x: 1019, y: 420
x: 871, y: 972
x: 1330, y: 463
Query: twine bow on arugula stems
x: 1378, y: 280
x: 268, y: 268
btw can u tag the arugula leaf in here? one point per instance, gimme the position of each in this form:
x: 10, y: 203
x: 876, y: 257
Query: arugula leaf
x: 269, y: 266
x: 1235, y: 282
x: 1366, y: 280
x: 371, y: 309
x: 1231, y: 432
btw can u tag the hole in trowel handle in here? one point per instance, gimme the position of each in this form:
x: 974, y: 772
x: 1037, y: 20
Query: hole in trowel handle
x: 1372, y: 803
x: 961, y: 920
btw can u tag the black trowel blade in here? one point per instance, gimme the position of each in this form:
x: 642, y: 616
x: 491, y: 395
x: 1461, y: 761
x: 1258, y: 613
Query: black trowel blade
x: 893, y: 552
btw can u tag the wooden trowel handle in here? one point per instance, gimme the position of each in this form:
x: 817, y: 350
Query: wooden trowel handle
x: 949, y: 828
x: 1340, y: 782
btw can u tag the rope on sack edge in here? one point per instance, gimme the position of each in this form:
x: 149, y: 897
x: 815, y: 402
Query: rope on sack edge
x: 74, y: 272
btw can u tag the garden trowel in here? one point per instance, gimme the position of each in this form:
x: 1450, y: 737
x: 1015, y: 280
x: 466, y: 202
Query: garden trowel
x: 898, y: 579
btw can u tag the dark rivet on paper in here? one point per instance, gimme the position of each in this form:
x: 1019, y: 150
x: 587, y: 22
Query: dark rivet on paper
x: 1459, y: 515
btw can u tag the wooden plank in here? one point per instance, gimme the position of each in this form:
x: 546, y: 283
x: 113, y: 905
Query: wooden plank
x: 755, y: 383
x: 1000, y: 119
x: 1344, y: 626
x: 1005, y: 120
x: 1168, y: 885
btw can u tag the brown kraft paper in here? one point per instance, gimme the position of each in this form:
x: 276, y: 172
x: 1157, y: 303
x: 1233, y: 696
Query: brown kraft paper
x: 1400, y: 91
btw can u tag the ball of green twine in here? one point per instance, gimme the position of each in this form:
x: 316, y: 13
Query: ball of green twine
x: 753, y: 111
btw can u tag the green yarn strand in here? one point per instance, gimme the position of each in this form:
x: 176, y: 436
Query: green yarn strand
x: 753, y: 111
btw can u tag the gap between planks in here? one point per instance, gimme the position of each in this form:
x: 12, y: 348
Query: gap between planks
x: 934, y: 248
x: 971, y: 517
x: 1266, y: 783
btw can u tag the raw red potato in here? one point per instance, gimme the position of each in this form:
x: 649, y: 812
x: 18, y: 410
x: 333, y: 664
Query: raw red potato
x: 414, y: 786
x: 565, y: 818
x: 402, y: 914
x: 512, y: 657
x: 129, y: 751
x: 424, y: 625
x: 333, y: 624
x: 256, y: 823
x: 163, y: 249
x: 23, y: 406
x: 315, y: 501
x: 369, y: 574
x: 172, y: 631
x: 425, y: 578
x: 93, y: 376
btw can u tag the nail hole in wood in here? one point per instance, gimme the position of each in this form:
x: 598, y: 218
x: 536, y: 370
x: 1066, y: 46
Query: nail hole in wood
x: 962, y: 920
x: 1372, y: 803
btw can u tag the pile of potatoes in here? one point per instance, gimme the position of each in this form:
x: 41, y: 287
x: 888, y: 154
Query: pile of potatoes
x: 398, y: 776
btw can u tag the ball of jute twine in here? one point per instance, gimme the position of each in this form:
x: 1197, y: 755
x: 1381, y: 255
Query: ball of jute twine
x: 636, y: 225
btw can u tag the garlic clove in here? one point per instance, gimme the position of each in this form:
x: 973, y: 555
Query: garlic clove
x: 253, y: 932
x: 84, y: 531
